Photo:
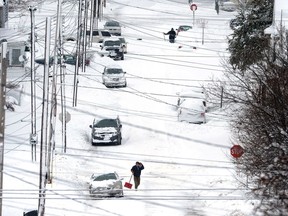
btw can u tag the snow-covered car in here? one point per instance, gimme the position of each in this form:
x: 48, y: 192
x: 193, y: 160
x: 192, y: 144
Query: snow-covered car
x: 192, y: 110
x: 106, y: 131
x: 192, y: 93
x: 124, y: 44
x: 108, y: 184
x: 113, y: 27
x: 114, y: 76
x: 113, y: 48
x: 227, y: 5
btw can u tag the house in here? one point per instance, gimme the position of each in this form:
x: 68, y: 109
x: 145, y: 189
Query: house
x: 280, y: 19
x: 15, y: 52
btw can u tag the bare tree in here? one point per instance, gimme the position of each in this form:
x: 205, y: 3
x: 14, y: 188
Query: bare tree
x: 258, y: 105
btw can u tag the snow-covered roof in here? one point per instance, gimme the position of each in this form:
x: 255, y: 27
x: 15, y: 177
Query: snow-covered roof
x: 114, y: 66
x: 280, y: 16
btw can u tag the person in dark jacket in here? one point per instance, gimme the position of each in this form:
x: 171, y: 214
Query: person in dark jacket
x: 172, y: 35
x: 136, y: 171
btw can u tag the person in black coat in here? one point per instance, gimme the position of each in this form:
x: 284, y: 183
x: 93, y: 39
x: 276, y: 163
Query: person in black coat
x: 172, y: 35
x: 136, y: 171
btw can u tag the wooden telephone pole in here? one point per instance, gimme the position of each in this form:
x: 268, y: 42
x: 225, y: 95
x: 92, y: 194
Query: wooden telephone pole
x: 4, y: 65
x: 33, y: 135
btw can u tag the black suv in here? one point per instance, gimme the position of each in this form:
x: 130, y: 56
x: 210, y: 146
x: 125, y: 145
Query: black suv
x: 106, y: 130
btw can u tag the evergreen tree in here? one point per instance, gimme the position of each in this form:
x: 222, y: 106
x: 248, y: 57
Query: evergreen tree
x: 248, y: 41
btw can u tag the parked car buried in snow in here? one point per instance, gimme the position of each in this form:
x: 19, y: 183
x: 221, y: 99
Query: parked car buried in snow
x: 192, y: 110
x: 192, y: 93
x: 108, y: 184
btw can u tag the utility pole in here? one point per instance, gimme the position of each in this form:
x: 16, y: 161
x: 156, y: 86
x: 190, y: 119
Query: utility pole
x: 84, y: 46
x: 33, y: 135
x: 101, y: 9
x: 95, y: 14
x: 63, y: 107
x: 91, y: 23
x: 44, y: 128
x: 78, y: 51
x: 53, y: 113
x: 4, y: 65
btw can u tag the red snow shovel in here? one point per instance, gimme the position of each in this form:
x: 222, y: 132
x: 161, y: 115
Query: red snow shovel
x: 128, y: 184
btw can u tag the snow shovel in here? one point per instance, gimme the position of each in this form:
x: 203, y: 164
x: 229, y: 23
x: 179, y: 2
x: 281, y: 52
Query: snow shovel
x: 128, y: 184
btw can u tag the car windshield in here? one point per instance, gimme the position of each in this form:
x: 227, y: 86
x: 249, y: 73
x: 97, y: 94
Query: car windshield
x: 68, y: 57
x: 94, y: 33
x: 104, y: 177
x: 112, y: 43
x: 106, y: 33
x: 122, y: 40
x: 112, y: 24
x: 114, y: 71
x: 106, y: 123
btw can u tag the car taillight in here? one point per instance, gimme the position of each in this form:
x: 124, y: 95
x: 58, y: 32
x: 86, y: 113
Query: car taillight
x: 203, y: 114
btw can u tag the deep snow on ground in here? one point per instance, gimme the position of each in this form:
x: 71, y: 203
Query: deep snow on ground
x: 188, y: 168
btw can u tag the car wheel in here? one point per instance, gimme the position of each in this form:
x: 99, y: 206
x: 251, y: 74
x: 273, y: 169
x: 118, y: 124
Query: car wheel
x: 119, y: 142
x: 121, y: 194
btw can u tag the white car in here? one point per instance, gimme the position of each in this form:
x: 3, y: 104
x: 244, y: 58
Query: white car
x: 192, y: 110
x: 108, y: 184
x: 192, y: 93
x: 227, y: 5
x: 98, y: 35
x: 113, y: 27
x: 114, y: 76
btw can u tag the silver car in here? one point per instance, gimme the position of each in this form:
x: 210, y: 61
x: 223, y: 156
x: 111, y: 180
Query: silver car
x: 114, y: 76
x: 113, y: 27
x: 108, y: 184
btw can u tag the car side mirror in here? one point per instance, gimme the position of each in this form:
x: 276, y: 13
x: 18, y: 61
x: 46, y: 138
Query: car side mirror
x: 90, y: 126
x: 120, y: 125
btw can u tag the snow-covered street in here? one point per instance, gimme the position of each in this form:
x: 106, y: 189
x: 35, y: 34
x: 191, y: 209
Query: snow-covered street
x: 188, y: 167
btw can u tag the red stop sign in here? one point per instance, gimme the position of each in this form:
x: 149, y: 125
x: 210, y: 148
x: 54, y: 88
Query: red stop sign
x: 193, y: 7
x: 236, y: 151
